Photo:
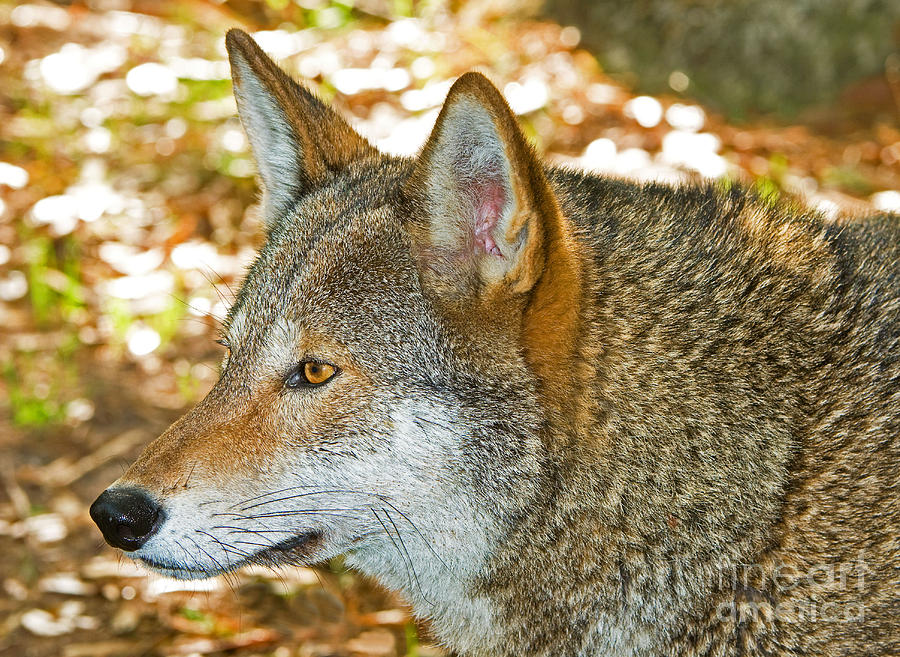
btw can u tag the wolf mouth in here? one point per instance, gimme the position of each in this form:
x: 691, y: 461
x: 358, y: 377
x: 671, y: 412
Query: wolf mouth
x: 292, y: 550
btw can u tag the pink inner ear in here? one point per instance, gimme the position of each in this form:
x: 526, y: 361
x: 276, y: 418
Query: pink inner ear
x: 490, y: 198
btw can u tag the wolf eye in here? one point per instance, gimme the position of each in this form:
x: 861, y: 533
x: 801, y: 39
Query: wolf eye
x: 227, y: 357
x: 310, y: 374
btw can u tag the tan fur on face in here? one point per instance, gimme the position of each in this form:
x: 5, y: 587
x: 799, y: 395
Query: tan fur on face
x: 201, y: 449
x: 249, y: 420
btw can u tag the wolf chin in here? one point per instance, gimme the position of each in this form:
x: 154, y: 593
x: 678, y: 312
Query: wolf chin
x: 562, y: 414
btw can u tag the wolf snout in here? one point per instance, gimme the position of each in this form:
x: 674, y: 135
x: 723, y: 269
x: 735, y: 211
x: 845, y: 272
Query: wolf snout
x: 126, y: 516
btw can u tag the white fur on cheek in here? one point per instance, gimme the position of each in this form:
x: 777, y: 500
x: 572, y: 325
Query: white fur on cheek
x: 445, y: 537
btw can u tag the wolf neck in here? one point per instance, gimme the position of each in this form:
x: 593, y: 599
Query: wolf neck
x: 435, y: 569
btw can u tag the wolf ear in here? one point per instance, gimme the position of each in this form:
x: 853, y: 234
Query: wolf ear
x: 297, y: 140
x: 487, y: 204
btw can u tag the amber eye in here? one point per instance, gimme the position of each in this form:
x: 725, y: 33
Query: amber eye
x: 224, y: 343
x: 310, y: 374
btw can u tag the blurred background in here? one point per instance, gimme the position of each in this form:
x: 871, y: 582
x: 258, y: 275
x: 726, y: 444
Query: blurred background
x: 128, y: 214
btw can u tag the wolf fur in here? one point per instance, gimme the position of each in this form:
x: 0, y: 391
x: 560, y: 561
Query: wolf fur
x: 573, y: 415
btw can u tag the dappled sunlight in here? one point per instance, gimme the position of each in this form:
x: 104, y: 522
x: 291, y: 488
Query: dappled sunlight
x: 152, y: 79
x: 887, y: 201
x: 647, y: 111
x: 527, y: 96
x: 142, y: 340
x: 685, y: 117
x: 697, y: 151
x: 13, y: 176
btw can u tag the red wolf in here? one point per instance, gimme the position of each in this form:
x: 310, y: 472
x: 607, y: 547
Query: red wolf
x: 563, y: 414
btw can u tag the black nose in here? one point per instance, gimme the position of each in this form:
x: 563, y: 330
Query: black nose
x: 126, y: 516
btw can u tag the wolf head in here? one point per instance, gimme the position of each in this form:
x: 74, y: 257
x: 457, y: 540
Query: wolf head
x: 391, y: 355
